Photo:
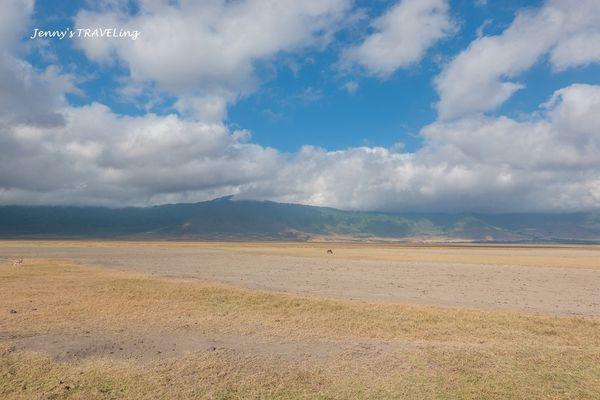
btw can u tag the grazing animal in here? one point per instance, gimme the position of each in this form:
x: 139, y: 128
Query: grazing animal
x: 17, y: 262
x: 329, y: 251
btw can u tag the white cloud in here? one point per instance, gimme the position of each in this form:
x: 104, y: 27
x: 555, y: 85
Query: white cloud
x: 91, y: 155
x: 402, y: 36
x: 351, y: 87
x: 577, y: 50
x: 27, y: 96
x: 102, y: 158
x: 13, y: 23
x: 31, y: 96
x: 475, y: 163
x: 205, y: 53
x: 482, y: 77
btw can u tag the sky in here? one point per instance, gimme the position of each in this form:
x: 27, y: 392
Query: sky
x: 409, y: 105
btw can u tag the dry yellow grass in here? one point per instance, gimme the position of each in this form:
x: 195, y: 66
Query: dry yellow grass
x: 369, y: 350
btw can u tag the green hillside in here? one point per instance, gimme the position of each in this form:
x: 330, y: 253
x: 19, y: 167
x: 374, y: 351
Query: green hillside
x: 226, y: 218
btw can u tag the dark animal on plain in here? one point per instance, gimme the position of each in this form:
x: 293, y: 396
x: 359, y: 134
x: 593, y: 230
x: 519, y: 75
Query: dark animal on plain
x: 329, y: 251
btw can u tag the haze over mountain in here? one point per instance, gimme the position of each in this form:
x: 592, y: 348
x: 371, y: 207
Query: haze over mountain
x: 225, y: 218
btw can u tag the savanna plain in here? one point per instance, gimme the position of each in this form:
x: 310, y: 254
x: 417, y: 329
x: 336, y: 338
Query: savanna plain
x: 215, y: 320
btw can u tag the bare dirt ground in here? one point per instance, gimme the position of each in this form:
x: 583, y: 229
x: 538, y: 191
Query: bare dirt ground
x: 563, y: 280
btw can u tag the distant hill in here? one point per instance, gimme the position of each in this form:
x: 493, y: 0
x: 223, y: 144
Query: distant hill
x: 229, y: 219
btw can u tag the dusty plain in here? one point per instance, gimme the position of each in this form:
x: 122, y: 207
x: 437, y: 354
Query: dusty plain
x: 116, y: 319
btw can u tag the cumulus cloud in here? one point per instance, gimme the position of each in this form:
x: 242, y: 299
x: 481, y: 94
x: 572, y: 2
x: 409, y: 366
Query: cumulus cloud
x: 205, y: 52
x: 31, y: 96
x: 401, y: 36
x: 102, y: 158
x: 26, y: 95
x: 474, y: 163
x: 13, y: 23
x: 577, y: 50
x: 482, y: 77
x: 549, y: 160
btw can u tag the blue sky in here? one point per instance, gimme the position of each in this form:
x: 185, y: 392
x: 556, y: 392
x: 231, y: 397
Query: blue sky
x: 404, y: 104
x: 381, y: 112
x: 310, y: 105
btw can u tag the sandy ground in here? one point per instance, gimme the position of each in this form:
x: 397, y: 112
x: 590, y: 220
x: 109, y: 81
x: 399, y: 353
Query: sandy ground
x: 556, y: 280
x: 146, y: 345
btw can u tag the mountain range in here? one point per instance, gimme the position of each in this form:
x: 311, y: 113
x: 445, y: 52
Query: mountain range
x: 229, y: 219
